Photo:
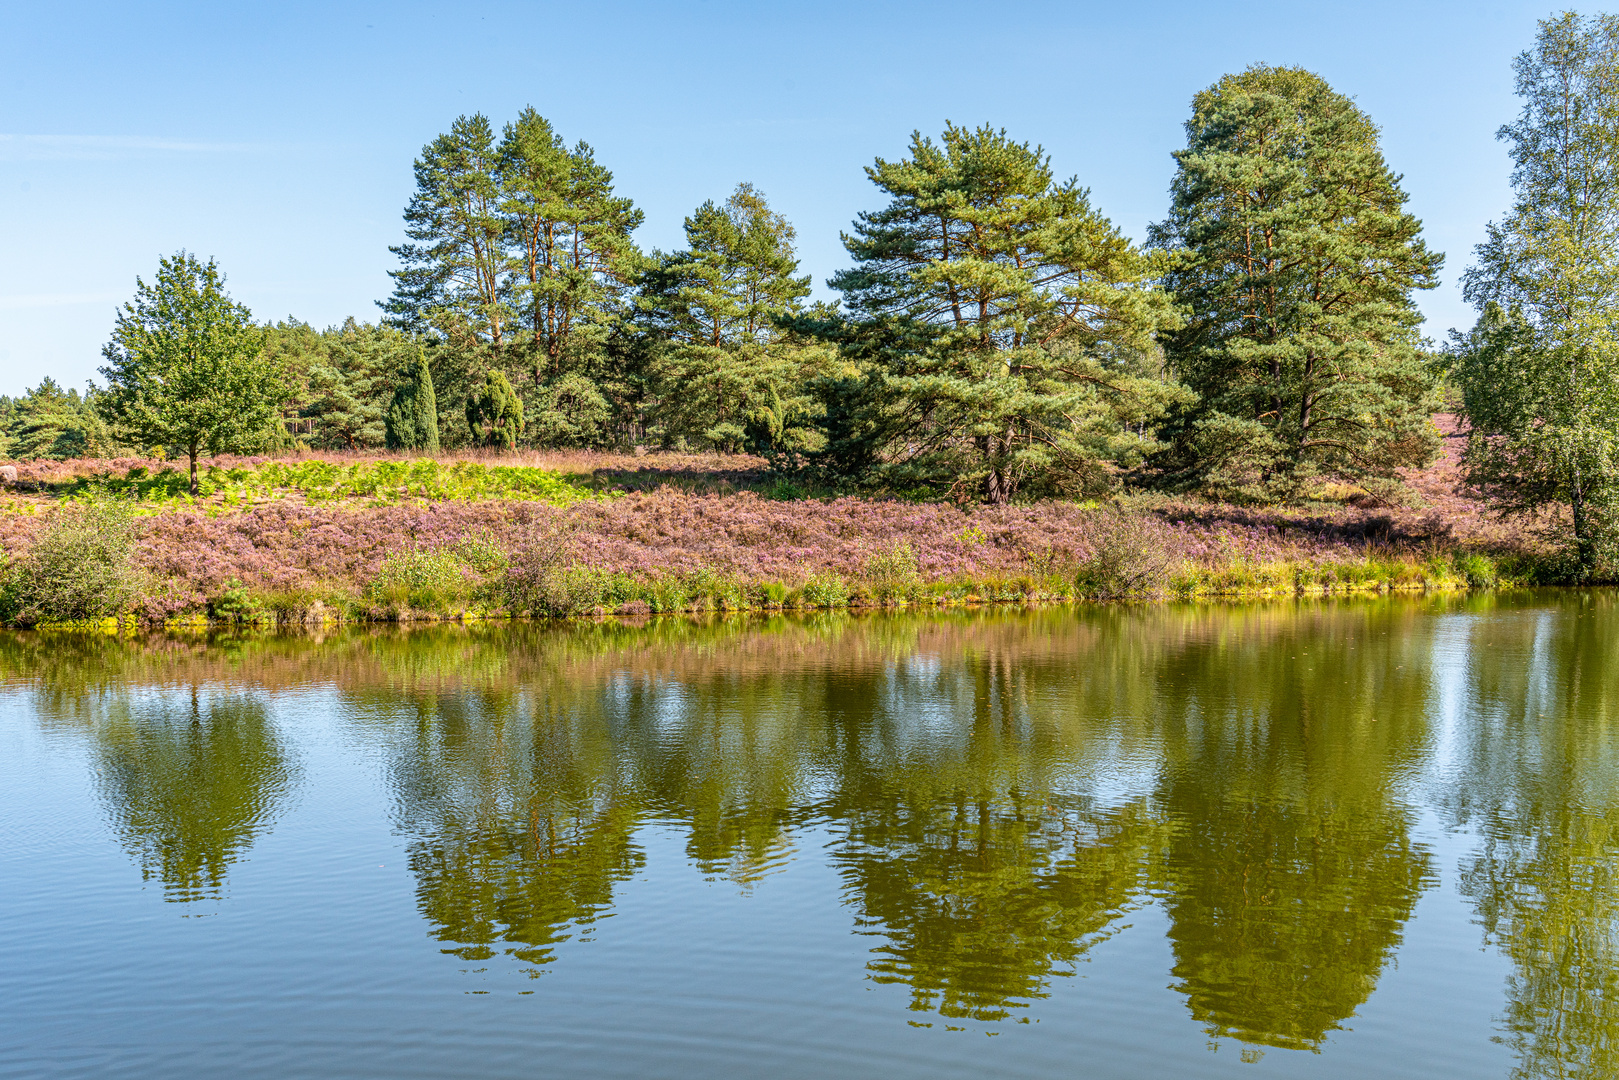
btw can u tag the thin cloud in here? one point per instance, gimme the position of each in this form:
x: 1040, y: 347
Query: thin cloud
x: 107, y: 147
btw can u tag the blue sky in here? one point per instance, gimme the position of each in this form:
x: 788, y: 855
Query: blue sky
x: 279, y: 138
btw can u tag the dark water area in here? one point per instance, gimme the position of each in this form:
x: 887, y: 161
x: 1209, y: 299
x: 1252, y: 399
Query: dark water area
x: 1337, y: 839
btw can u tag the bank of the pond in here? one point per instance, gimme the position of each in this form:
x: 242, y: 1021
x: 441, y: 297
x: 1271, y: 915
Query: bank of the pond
x: 292, y: 561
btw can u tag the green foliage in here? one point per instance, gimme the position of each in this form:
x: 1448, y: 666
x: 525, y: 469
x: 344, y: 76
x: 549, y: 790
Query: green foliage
x: 725, y: 374
x: 81, y: 566
x: 1295, y: 260
x: 1003, y: 327
x: 496, y: 415
x: 50, y: 422
x: 450, y: 280
x: 1130, y: 558
x: 185, y: 366
x: 349, y: 388
x: 1539, y: 373
x: 521, y: 262
x: 377, y: 482
x: 412, y: 419
x: 570, y: 261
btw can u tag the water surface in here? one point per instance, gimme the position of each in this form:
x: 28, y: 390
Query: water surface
x: 1363, y: 838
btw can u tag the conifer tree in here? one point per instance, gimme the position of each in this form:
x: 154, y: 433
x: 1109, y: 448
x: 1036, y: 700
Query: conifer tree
x: 1295, y: 261
x: 185, y: 366
x: 452, y: 280
x: 1007, y: 328
x: 412, y: 420
x: 570, y: 259
x: 495, y: 415
x: 725, y: 367
x: 350, y: 386
x: 1539, y: 373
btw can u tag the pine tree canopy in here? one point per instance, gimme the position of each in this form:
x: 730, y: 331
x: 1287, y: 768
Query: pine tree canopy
x: 1295, y: 261
x: 1009, y: 327
x: 725, y: 373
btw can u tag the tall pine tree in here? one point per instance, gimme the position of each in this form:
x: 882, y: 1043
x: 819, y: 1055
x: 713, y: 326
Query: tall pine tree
x: 1296, y: 261
x: 452, y: 280
x: 724, y: 368
x: 1006, y: 327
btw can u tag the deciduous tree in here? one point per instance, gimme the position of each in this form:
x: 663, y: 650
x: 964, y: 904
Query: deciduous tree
x: 185, y: 366
x: 1539, y: 373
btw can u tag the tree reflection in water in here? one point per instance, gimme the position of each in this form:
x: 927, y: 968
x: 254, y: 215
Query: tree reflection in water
x: 190, y: 775
x: 1540, y: 785
x: 998, y: 792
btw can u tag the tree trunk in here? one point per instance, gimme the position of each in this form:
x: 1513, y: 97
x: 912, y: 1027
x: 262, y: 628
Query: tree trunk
x: 193, y: 451
x: 1584, y: 547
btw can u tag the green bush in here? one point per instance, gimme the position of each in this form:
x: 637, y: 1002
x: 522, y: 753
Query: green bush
x: 1130, y: 557
x: 81, y: 567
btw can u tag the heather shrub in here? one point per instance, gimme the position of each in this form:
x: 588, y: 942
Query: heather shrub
x: 10, y: 586
x: 1130, y: 556
x: 81, y: 566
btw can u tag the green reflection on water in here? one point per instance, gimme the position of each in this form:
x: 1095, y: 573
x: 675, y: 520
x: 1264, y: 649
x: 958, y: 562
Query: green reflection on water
x: 998, y: 792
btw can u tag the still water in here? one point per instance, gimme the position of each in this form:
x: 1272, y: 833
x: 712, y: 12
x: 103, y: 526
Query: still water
x: 1353, y: 839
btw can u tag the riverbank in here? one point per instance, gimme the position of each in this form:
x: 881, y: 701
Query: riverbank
x: 281, y: 556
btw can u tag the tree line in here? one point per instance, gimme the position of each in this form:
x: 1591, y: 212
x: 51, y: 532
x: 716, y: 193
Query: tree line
x: 997, y: 336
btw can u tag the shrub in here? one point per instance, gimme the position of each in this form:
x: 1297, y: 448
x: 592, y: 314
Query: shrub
x: 893, y: 572
x: 1478, y: 569
x: 1131, y: 556
x: 238, y: 605
x: 81, y: 566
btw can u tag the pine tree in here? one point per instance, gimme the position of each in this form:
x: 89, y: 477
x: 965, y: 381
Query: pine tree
x: 1007, y: 328
x: 1296, y: 261
x: 412, y: 419
x: 1539, y: 374
x: 725, y: 368
x: 185, y: 366
x: 50, y: 422
x: 570, y: 259
x: 452, y: 280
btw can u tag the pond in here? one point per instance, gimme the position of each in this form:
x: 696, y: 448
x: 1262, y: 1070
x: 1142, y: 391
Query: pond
x: 1304, y: 839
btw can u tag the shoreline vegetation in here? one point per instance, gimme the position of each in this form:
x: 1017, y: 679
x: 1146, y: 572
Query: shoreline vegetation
x: 1010, y: 402
x: 322, y: 540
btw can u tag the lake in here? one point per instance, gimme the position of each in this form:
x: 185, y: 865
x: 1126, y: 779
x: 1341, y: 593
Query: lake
x: 1358, y: 838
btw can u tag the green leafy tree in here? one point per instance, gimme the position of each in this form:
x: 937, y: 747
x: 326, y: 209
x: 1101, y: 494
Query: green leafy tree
x: 412, y: 419
x: 1296, y: 261
x: 725, y: 368
x: 452, y: 277
x: 495, y: 415
x: 185, y: 366
x: 190, y: 789
x: 1539, y: 373
x: 1008, y: 326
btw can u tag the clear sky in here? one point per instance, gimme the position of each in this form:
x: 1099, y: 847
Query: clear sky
x: 279, y: 137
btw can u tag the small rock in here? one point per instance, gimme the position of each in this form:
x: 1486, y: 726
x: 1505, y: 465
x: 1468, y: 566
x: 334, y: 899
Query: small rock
x: 8, y: 473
